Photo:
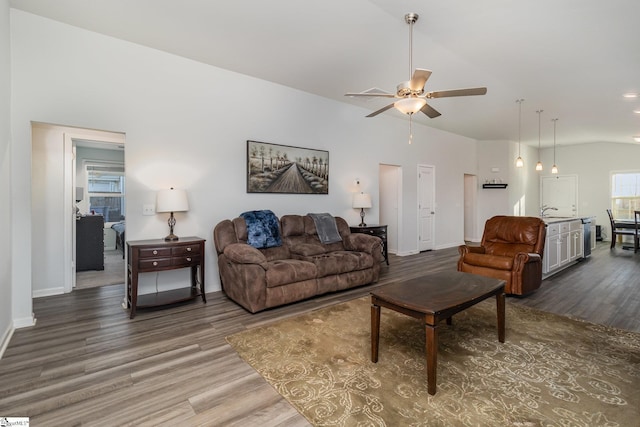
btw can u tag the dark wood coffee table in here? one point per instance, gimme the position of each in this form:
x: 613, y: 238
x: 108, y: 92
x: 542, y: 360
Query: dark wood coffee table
x: 432, y: 298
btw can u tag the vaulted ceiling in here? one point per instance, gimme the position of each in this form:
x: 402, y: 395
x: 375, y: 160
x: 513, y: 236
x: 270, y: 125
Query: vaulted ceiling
x: 573, y: 59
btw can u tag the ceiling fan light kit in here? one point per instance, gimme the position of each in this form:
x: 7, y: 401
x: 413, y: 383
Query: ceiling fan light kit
x: 410, y: 105
x: 410, y: 95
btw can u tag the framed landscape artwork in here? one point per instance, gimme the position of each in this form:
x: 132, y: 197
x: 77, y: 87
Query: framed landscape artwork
x: 273, y: 168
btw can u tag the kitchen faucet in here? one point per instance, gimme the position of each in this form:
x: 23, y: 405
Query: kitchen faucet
x: 545, y: 208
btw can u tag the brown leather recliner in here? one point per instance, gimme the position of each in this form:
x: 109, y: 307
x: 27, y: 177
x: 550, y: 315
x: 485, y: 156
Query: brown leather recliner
x: 511, y: 250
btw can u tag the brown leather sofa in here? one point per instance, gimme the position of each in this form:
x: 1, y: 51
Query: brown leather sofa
x: 511, y: 250
x: 302, y: 267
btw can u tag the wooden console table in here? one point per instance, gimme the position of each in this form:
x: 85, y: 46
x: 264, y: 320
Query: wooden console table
x: 374, y: 230
x: 159, y: 255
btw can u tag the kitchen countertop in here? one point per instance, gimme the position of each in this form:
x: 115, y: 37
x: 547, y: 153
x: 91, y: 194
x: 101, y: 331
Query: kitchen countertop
x: 554, y: 219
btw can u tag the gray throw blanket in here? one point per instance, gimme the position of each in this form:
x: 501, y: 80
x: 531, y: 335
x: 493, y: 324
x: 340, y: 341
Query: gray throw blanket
x: 326, y: 227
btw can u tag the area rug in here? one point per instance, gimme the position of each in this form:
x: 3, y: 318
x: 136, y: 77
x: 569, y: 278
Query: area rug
x: 551, y: 370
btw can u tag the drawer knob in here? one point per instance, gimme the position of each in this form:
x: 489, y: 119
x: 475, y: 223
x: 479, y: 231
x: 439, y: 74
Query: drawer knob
x: 188, y: 258
x: 155, y: 263
x: 188, y: 249
x: 155, y: 252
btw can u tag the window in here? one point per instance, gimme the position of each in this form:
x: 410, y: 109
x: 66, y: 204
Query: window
x: 105, y: 188
x: 625, y: 194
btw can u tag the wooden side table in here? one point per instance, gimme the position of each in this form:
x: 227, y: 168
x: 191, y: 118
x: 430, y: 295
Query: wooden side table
x: 375, y: 230
x: 159, y: 255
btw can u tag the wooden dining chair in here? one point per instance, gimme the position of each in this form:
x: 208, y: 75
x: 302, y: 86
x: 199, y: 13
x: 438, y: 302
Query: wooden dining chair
x: 616, y: 231
x: 636, y: 239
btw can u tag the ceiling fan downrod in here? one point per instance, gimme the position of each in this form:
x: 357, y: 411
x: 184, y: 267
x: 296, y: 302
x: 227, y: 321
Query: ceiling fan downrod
x: 411, y: 18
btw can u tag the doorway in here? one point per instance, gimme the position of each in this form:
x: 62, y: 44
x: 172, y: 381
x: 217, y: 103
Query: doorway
x: 53, y: 203
x: 100, y: 217
x: 390, y: 186
x: 426, y: 207
x: 470, y: 208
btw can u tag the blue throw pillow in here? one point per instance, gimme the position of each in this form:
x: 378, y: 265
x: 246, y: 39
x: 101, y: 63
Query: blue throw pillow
x: 263, y: 230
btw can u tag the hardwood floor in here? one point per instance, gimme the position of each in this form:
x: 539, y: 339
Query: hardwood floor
x: 86, y: 363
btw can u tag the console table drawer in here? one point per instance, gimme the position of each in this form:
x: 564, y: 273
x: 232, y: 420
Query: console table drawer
x: 185, y: 261
x: 154, y: 252
x: 186, y: 250
x: 154, y: 263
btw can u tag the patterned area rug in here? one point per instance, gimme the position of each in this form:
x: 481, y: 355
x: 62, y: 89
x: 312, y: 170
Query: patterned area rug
x: 551, y: 370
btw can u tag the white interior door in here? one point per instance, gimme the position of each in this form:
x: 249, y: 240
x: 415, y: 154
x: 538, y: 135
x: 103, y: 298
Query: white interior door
x: 426, y: 207
x: 560, y: 192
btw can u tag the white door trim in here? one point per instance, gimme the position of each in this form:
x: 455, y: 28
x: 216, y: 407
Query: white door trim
x: 69, y: 225
x: 433, y: 205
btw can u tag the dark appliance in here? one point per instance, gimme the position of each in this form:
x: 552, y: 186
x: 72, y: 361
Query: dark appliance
x: 586, y: 222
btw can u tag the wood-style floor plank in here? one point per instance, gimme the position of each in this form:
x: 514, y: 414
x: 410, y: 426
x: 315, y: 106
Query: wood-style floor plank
x: 86, y: 363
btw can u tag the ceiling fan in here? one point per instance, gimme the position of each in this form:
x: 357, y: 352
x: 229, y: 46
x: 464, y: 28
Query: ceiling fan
x: 410, y: 95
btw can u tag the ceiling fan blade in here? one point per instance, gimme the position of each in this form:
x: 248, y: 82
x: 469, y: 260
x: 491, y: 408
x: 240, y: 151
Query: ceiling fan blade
x: 372, y: 93
x: 430, y: 111
x: 457, y: 92
x: 419, y: 79
x: 382, y: 95
x: 382, y: 110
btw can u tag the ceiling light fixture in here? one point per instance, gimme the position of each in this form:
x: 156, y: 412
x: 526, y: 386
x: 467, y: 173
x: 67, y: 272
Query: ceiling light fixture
x: 636, y: 138
x: 554, y: 168
x: 539, y: 164
x: 410, y: 105
x: 519, y: 161
x: 630, y: 95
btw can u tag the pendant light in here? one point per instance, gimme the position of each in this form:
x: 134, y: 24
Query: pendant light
x: 519, y: 161
x: 539, y: 164
x: 554, y: 168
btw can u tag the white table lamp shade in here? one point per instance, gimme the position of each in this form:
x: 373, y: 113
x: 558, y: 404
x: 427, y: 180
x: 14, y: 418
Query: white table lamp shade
x: 361, y: 200
x: 172, y: 201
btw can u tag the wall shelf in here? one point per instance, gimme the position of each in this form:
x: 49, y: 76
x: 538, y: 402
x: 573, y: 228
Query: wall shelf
x: 494, y: 185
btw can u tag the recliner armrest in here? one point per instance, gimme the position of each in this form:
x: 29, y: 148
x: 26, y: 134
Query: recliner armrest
x: 464, y: 249
x: 241, y: 253
x: 363, y: 243
x: 522, y: 258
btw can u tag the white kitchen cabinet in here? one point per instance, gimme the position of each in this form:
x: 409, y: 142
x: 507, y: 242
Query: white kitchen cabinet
x: 551, y: 259
x: 576, y: 240
x: 564, y: 245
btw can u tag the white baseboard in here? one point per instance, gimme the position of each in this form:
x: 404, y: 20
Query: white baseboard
x: 15, y: 324
x: 6, y: 337
x: 47, y: 292
x: 449, y: 245
x: 407, y: 253
x: 24, y: 322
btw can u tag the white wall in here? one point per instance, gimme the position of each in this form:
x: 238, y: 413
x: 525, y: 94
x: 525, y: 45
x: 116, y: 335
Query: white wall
x: 6, y: 325
x: 186, y: 127
x: 593, y: 164
x: 524, y: 182
x: 493, y: 164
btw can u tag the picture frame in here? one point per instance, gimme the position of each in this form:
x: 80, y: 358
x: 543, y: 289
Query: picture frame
x: 275, y: 168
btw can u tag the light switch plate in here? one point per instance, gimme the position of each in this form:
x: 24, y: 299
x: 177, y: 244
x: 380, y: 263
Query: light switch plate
x: 148, y: 209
